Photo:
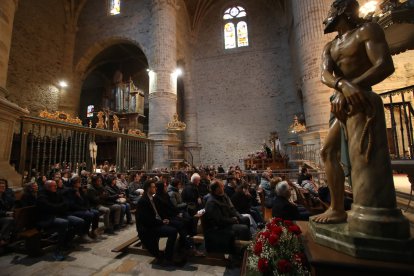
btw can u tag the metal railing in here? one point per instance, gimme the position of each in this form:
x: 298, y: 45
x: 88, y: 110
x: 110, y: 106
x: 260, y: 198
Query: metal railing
x: 45, y: 142
x: 303, y: 154
x: 399, y: 114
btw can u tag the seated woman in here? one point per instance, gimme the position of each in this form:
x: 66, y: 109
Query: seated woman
x: 175, y: 196
x: 78, y: 206
x: 6, y: 214
x: 242, y: 202
x: 116, y: 196
x: 135, y: 190
x: 284, y: 208
x: 30, y: 194
x: 151, y: 227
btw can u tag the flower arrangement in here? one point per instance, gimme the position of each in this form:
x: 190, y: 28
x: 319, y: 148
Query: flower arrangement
x: 277, y: 250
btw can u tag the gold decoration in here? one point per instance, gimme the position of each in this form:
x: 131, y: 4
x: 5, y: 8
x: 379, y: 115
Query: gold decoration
x: 100, y: 123
x: 115, y: 126
x: 297, y: 127
x: 60, y: 116
x: 137, y: 132
x: 176, y: 125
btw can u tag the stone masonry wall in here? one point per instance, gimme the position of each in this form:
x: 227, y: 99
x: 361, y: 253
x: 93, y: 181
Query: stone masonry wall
x: 36, y: 55
x: 97, y: 26
x: 242, y: 94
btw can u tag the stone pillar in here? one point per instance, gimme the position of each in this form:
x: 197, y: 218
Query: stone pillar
x: 190, y: 117
x: 9, y: 112
x: 308, y: 16
x: 7, y: 10
x: 163, y: 81
x: 67, y: 101
x: 69, y: 98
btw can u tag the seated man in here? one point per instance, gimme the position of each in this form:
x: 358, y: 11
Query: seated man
x: 222, y: 223
x: 284, y: 208
x: 151, y: 227
x: 191, y: 195
x: 52, y: 215
x: 6, y: 214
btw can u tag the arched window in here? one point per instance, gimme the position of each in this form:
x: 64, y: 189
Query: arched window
x: 235, y: 28
x: 114, y: 7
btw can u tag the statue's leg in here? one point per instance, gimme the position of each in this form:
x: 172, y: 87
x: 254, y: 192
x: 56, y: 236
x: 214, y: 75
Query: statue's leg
x: 335, y: 177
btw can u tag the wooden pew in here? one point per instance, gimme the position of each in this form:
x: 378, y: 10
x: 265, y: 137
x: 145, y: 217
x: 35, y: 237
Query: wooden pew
x: 25, y: 222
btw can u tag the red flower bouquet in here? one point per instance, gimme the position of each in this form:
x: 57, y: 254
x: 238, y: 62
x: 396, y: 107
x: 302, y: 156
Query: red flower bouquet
x: 277, y: 250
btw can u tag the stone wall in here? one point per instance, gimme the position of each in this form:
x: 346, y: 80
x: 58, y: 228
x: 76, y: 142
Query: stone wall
x: 36, y: 54
x: 403, y: 75
x: 99, y: 30
x: 242, y: 94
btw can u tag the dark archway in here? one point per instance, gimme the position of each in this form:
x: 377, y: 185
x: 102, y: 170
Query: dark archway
x: 98, y: 84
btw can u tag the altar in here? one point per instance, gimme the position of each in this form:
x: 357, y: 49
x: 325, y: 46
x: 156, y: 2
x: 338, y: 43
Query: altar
x: 268, y: 158
x: 263, y: 164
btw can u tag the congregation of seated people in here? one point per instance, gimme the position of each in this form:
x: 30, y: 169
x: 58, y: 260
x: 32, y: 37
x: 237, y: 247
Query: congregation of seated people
x: 167, y: 204
x: 68, y: 206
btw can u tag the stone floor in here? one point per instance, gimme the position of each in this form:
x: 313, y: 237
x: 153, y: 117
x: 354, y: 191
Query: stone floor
x: 97, y: 259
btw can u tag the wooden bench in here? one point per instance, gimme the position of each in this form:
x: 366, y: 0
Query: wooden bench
x: 125, y: 246
x: 25, y: 222
x: 134, y: 246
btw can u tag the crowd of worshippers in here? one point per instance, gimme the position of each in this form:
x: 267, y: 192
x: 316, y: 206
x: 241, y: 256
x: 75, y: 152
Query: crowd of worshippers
x: 69, y: 205
x: 166, y: 205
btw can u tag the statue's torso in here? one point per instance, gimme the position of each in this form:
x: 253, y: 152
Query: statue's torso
x: 350, y: 55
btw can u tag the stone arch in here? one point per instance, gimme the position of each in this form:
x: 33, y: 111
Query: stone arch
x: 82, y: 66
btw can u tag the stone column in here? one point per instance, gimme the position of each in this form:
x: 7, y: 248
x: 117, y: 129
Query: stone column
x: 308, y: 16
x: 67, y: 101
x: 7, y: 10
x: 9, y: 112
x: 190, y: 117
x: 69, y: 98
x: 163, y: 81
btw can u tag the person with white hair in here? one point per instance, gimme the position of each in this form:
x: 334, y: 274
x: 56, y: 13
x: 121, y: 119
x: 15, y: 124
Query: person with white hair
x: 283, y: 207
x: 191, y: 195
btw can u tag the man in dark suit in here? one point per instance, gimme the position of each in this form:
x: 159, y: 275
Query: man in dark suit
x: 151, y: 227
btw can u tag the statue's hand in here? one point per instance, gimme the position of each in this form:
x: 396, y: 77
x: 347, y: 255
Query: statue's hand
x: 354, y: 96
x: 338, y: 107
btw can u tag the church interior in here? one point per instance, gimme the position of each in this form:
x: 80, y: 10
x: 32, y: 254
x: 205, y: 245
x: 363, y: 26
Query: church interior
x: 206, y: 103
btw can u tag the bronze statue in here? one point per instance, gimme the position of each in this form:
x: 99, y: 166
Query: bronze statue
x: 353, y: 62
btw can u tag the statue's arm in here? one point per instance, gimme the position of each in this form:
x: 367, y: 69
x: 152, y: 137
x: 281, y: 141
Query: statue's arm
x: 378, y: 53
x: 327, y: 67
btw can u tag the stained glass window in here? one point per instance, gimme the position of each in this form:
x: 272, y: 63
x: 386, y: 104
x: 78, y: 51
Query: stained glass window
x: 235, y: 28
x: 242, y: 35
x: 114, y: 7
x: 229, y: 36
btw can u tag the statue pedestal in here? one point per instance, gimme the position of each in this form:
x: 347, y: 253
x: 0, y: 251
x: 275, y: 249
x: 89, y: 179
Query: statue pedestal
x: 338, y: 237
x: 326, y: 261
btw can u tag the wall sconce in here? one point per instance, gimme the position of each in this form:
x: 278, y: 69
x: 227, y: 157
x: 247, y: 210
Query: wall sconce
x: 63, y: 84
